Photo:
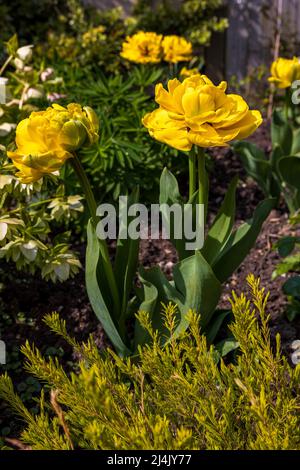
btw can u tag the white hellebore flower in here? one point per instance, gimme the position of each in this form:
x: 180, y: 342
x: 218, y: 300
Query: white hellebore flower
x: 3, y: 93
x: 46, y: 74
x: 19, y: 64
x: 6, y: 180
x: 33, y: 93
x: 295, y: 357
x: 6, y: 128
x: 29, y: 250
x: 6, y: 224
x: 25, y: 53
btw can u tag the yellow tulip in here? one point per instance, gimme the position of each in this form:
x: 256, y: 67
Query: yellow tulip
x: 196, y: 112
x: 47, y: 139
x: 176, y: 49
x: 284, y: 72
x: 142, y: 48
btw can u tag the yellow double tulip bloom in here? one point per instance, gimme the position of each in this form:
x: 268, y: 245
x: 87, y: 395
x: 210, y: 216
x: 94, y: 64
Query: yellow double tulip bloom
x: 176, y: 49
x: 284, y: 72
x: 48, y: 138
x: 142, y: 48
x: 196, y: 112
x: 146, y: 47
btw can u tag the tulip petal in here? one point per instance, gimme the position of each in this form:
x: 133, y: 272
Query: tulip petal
x: 166, y: 130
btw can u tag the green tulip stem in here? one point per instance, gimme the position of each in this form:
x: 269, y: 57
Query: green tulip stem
x: 202, y: 178
x: 85, y: 184
x: 287, y: 103
x: 192, y: 173
x: 201, y: 175
x: 6, y: 63
x: 92, y: 205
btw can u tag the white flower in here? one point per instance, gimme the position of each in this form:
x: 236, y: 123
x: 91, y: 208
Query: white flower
x: 55, y: 97
x: 46, y: 74
x: 7, y: 225
x: 3, y: 230
x: 6, y: 180
x: 29, y: 250
x: 25, y: 53
x: 6, y: 128
x: 295, y: 357
x: 33, y: 93
x: 3, y: 80
x: 19, y: 64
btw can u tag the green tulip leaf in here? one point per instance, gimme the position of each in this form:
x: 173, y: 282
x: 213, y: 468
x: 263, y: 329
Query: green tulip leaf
x: 195, y: 288
x: 226, y: 346
x: 149, y: 304
x: 296, y: 142
x: 289, y: 169
x: 222, y: 226
x: 169, y: 189
x: 169, y: 195
x: 126, y: 261
x: 241, y: 242
x: 215, y: 324
x: 292, y: 287
x: 281, y: 133
x: 94, y: 293
x: 255, y: 164
x: 199, y: 286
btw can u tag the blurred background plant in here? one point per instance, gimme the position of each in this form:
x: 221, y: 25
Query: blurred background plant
x: 194, y: 19
x: 253, y: 86
x: 67, y: 32
x: 34, y: 227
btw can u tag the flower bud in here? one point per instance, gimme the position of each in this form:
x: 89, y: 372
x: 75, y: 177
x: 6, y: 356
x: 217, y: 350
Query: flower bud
x: 48, y: 138
x: 25, y: 53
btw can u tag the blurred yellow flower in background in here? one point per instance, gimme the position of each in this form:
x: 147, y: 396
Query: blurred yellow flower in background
x: 47, y: 139
x: 93, y: 35
x: 185, y: 72
x: 142, y: 48
x: 284, y: 72
x: 196, y: 111
x: 176, y: 49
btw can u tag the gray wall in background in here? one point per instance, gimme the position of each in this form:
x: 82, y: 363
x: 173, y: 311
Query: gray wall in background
x: 250, y: 38
x: 103, y: 4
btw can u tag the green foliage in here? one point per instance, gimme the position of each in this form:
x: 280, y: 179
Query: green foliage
x: 33, y: 19
x: 194, y: 19
x: 34, y: 219
x: 125, y: 156
x: 278, y: 174
x: 289, y: 249
x: 182, y: 396
x: 25, y: 230
x: 197, y: 279
x: 92, y: 39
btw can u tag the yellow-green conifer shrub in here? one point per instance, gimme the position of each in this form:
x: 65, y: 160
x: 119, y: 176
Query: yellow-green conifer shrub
x: 179, y: 397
